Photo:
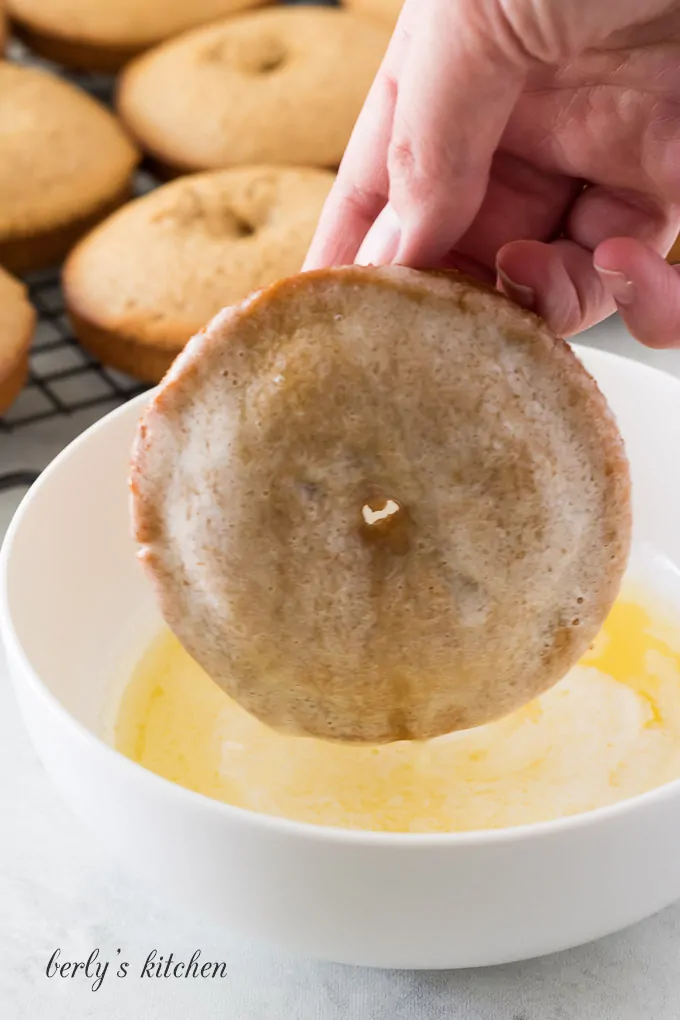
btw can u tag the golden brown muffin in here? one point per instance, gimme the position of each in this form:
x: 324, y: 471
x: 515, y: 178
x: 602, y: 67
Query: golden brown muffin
x: 378, y: 504
x: 99, y: 35
x: 65, y: 163
x: 149, y: 277
x: 17, y: 322
x: 280, y: 86
x: 3, y: 30
x: 674, y: 253
x: 386, y: 11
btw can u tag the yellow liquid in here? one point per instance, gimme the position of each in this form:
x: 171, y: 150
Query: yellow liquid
x: 608, y: 731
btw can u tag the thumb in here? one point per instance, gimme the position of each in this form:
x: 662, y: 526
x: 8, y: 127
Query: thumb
x: 458, y: 86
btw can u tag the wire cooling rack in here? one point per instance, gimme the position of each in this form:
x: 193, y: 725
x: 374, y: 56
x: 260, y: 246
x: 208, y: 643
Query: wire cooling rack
x: 64, y: 380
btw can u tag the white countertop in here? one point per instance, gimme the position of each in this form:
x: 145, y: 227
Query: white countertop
x: 56, y: 891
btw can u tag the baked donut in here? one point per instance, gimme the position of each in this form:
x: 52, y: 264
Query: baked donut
x: 282, y: 85
x: 144, y: 281
x: 65, y: 163
x: 381, y: 505
x: 92, y: 35
x: 17, y: 323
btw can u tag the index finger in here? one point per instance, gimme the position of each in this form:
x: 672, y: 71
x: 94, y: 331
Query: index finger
x: 361, y: 187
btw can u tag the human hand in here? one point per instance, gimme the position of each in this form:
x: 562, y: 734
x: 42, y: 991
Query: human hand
x: 534, y: 143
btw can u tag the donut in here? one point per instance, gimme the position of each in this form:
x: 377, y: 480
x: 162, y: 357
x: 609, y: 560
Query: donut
x: 278, y: 86
x: 92, y: 35
x: 17, y: 323
x: 65, y: 164
x: 144, y: 281
x: 380, y: 505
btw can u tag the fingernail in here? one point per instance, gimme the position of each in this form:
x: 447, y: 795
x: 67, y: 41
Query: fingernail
x: 517, y: 292
x: 382, y: 241
x: 618, y: 285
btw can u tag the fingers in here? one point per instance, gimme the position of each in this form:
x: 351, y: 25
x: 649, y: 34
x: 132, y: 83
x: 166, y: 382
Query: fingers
x: 645, y: 288
x: 424, y: 141
x: 455, y: 94
x: 558, y: 281
x: 521, y: 201
x: 572, y: 288
x: 561, y: 281
x: 362, y: 185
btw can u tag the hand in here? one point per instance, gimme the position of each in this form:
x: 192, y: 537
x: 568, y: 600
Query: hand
x: 534, y: 143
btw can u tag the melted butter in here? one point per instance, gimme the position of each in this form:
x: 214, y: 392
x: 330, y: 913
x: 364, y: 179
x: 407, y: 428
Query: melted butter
x: 608, y: 731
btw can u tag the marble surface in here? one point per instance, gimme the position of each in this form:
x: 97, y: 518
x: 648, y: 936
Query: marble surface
x: 57, y: 891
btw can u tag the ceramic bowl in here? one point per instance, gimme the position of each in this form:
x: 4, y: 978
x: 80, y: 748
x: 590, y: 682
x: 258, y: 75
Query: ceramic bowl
x: 74, y: 603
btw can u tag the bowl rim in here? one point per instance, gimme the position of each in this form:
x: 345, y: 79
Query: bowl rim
x: 276, y: 824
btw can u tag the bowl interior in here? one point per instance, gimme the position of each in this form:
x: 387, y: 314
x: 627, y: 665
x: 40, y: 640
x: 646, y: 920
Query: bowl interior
x: 81, y: 609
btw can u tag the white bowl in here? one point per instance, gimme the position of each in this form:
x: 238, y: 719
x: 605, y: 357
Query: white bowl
x: 72, y: 596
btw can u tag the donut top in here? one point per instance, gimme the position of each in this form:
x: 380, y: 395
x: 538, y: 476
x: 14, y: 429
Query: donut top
x: 380, y: 505
x: 123, y: 22
x: 166, y: 263
x: 62, y: 154
x: 283, y: 85
x: 16, y: 322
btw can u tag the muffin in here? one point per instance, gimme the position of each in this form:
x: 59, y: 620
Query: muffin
x: 150, y: 276
x: 65, y: 163
x: 279, y: 86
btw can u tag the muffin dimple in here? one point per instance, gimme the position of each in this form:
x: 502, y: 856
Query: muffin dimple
x: 252, y: 55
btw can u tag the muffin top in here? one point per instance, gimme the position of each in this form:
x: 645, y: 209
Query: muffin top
x: 62, y: 154
x: 162, y: 266
x: 283, y: 85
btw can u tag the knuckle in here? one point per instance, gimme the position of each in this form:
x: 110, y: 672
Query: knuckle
x: 359, y: 200
x: 417, y: 175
